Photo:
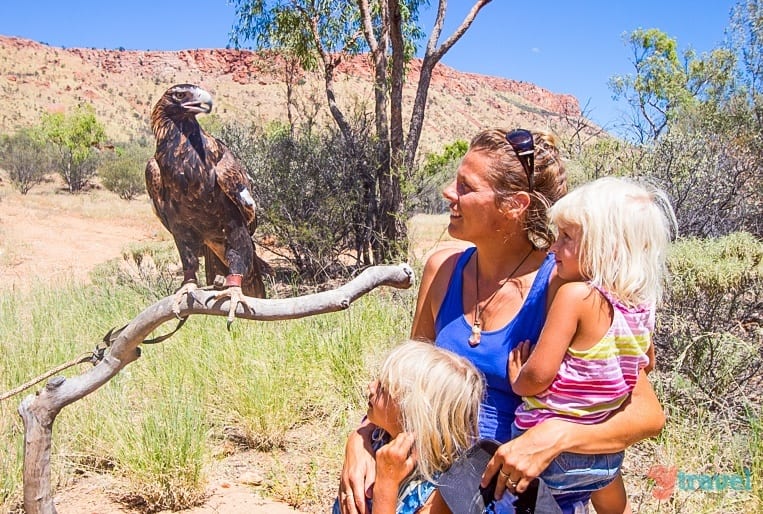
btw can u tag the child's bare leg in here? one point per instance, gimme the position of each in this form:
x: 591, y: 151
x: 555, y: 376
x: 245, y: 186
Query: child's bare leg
x: 612, y: 499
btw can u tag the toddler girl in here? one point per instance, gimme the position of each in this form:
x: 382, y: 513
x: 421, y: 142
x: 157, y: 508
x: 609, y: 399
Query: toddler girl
x: 612, y: 240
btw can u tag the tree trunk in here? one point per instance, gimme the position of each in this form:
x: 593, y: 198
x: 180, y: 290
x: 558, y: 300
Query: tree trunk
x: 392, y: 228
x: 432, y: 56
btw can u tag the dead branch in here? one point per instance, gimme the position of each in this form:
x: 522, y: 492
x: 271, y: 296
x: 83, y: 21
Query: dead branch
x: 39, y: 411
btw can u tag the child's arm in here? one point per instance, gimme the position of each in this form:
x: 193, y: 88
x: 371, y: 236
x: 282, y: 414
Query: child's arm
x: 531, y: 375
x: 394, y: 462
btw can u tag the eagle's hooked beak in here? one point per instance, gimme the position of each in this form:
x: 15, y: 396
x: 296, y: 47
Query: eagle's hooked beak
x: 202, y: 102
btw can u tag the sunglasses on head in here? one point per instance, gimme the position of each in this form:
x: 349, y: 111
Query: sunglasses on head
x: 521, y: 141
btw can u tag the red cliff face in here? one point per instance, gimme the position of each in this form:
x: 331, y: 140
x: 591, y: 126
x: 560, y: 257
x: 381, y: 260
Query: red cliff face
x: 122, y: 86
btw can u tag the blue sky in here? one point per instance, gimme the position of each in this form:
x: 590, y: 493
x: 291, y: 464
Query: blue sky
x: 565, y: 46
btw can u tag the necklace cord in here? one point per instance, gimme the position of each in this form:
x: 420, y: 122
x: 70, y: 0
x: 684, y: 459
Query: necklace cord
x: 474, y: 340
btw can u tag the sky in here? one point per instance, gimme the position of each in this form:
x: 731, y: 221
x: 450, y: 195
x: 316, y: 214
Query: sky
x: 564, y: 46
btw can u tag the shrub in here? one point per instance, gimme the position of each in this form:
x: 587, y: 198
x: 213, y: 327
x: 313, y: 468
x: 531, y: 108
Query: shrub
x: 124, y: 173
x: 709, y: 328
x: 313, y: 195
x: 713, y: 179
x: 26, y: 159
x: 151, y: 270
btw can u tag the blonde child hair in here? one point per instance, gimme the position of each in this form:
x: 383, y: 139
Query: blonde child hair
x: 626, y: 228
x: 438, y: 394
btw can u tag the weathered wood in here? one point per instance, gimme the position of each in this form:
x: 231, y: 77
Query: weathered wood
x: 39, y: 411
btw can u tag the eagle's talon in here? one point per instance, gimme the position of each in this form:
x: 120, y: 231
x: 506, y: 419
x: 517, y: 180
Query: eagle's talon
x: 236, y: 297
x: 194, y: 298
x: 187, y: 289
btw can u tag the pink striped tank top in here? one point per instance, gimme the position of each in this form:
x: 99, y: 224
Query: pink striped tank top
x: 592, y: 383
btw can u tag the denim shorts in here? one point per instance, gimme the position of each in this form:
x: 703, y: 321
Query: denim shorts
x: 577, y: 472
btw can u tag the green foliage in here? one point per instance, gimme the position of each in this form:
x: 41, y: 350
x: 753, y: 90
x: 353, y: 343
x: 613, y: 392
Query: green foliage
x: 26, y: 158
x: 709, y: 327
x: 287, y: 26
x: 665, y: 82
x: 124, y: 172
x: 435, y: 162
x: 311, y: 193
x: 75, y: 138
x: 438, y: 170
x: 211, y: 123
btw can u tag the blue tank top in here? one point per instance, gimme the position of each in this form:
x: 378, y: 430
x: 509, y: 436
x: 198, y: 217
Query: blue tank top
x: 492, y: 354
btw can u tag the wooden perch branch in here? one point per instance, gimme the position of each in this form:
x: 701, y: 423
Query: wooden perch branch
x: 39, y: 411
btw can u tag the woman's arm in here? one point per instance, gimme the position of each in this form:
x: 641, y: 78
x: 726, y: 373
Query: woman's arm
x: 525, y: 457
x: 434, y: 284
x: 394, y: 462
x: 358, y: 471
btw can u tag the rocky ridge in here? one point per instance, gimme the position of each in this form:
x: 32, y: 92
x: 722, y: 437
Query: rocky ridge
x: 250, y: 87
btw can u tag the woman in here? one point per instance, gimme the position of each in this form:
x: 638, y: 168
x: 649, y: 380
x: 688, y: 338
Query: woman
x: 483, y: 301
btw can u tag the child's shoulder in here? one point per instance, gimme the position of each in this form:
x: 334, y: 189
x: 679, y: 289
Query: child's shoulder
x: 580, y: 293
x: 575, y: 290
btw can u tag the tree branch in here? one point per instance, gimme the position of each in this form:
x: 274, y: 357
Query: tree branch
x: 39, y: 411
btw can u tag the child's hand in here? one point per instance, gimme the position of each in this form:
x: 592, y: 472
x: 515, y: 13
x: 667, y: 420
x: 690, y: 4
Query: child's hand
x: 394, y: 461
x: 517, y: 358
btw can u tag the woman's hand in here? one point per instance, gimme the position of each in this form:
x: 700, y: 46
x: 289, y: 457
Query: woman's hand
x: 358, y: 471
x: 521, y: 460
x: 395, y: 460
x: 524, y: 458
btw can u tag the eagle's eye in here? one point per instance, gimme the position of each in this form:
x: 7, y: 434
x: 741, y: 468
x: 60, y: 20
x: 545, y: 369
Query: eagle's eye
x: 178, y: 96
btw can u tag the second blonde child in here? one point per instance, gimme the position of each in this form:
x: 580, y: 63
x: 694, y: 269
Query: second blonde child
x: 613, y: 236
x: 425, y: 404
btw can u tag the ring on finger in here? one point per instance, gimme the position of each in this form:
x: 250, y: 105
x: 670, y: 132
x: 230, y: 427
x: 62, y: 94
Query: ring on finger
x: 503, y: 474
x: 511, y: 482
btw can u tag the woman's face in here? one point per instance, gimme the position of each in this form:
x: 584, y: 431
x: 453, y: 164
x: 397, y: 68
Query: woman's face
x: 383, y: 411
x: 473, y: 211
x: 566, y: 249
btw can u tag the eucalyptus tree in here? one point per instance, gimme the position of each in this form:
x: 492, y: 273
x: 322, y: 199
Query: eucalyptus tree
x: 319, y: 33
x: 665, y: 81
x: 75, y: 138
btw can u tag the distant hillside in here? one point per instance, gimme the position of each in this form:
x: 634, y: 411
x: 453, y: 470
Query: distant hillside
x: 248, y: 86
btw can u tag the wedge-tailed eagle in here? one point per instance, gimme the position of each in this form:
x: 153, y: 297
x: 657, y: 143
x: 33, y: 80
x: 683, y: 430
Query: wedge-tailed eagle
x: 203, y: 195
